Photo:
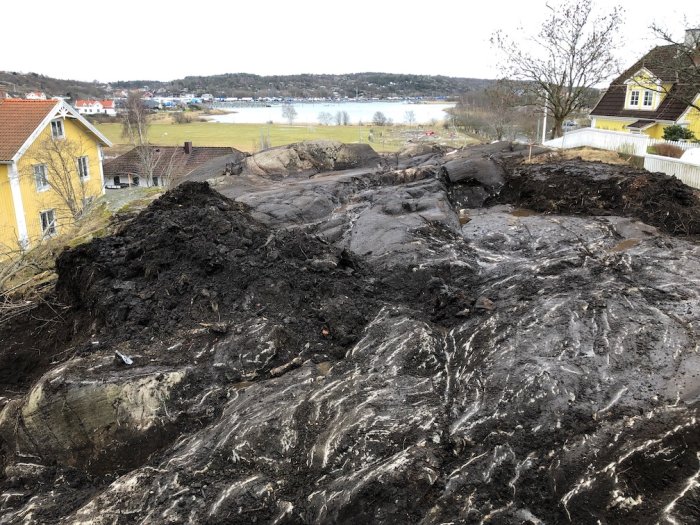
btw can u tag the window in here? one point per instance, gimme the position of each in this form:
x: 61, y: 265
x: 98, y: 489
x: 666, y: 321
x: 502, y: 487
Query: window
x: 57, y: 129
x: 40, y: 177
x: 48, y: 222
x: 83, y: 168
x: 634, y: 98
x: 648, y: 98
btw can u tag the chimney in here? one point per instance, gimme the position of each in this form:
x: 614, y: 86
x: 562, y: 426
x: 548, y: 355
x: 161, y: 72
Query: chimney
x: 692, y: 42
x: 188, y: 147
x: 692, y: 38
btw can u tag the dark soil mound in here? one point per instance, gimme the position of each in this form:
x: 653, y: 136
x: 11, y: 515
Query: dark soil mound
x: 196, y: 258
x: 591, y: 188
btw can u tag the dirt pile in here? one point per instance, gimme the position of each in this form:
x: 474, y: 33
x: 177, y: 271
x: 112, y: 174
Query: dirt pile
x: 195, y: 258
x: 585, y: 188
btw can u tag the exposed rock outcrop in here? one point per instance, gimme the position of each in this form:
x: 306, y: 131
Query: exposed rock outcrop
x: 344, y: 349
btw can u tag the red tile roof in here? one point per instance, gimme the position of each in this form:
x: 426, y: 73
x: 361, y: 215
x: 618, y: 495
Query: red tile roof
x: 109, y: 104
x: 19, y: 118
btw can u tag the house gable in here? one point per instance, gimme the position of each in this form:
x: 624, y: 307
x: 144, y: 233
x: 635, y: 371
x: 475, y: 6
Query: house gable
x: 647, y: 91
x: 22, y: 121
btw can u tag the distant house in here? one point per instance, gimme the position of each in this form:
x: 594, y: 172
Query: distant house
x: 649, y: 96
x: 50, y: 164
x: 95, y: 107
x: 166, y: 164
x: 35, y: 95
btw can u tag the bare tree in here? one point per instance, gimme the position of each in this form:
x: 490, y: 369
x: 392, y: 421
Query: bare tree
x: 135, y: 122
x: 325, y: 118
x: 167, y: 167
x: 572, y: 53
x: 135, y: 125
x: 18, y: 271
x: 502, y: 102
x: 410, y: 118
x: 289, y: 113
x: 379, y: 119
x: 61, y: 166
x: 342, y: 118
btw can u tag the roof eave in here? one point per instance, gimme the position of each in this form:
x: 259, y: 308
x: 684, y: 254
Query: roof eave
x: 60, y: 104
x: 33, y: 136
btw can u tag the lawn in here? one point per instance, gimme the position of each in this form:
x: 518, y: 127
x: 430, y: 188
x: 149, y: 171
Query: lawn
x: 247, y: 137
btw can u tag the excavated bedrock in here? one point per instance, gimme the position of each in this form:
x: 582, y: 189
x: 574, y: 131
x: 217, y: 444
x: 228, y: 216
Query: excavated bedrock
x: 434, y: 337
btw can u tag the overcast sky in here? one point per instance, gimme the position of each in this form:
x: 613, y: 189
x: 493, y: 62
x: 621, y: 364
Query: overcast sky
x: 161, y: 40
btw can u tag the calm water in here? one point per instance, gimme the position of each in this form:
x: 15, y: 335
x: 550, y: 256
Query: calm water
x: 307, y: 112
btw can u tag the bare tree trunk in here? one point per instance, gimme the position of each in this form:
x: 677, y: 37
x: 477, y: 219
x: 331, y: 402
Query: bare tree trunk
x: 558, y: 128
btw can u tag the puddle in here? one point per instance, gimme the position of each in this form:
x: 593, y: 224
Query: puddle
x: 523, y: 212
x: 324, y: 368
x: 242, y: 384
x: 625, y: 245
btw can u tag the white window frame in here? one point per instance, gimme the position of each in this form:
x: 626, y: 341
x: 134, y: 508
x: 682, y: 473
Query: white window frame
x: 51, y: 228
x: 41, y: 183
x: 632, y: 97
x: 56, y: 127
x: 649, y: 94
x: 83, y: 167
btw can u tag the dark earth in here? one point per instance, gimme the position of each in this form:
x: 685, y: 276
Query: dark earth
x: 324, y: 335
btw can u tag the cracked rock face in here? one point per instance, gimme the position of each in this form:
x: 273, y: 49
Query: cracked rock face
x: 344, y: 349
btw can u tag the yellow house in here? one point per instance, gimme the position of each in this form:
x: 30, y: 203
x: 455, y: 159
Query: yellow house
x: 649, y: 96
x: 50, y: 169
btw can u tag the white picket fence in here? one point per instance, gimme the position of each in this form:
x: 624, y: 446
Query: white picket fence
x: 633, y: 145
x: 612, y: 140
x: 687, y: 172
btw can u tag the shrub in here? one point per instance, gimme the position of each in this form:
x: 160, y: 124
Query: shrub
x: 678, y: 133
x: 666, y: 150
x: 181, y: 117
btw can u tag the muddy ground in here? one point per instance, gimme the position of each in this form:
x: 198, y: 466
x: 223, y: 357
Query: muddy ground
x: 323, y: 335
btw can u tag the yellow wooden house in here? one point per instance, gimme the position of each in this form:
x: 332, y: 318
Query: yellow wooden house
x: 649, y: 96
x: 50, y: 169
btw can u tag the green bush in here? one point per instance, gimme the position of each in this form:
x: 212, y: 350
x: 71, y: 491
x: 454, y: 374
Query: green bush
x: 676, y: 132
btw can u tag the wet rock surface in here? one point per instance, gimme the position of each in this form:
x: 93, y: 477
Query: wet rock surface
x: 341, y: 348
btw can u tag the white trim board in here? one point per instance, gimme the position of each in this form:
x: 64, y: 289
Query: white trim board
x: 20, y: 218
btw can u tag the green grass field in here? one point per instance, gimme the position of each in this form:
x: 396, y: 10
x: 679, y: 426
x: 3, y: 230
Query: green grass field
x: 247, y: 137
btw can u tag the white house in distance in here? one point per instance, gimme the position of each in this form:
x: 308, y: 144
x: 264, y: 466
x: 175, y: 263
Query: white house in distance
x: 35, y: 95
x: 94, y: 107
